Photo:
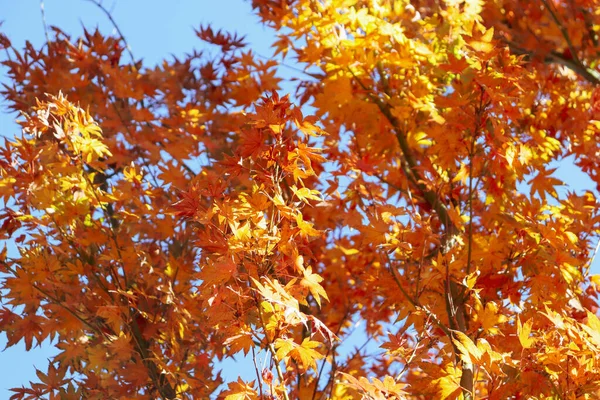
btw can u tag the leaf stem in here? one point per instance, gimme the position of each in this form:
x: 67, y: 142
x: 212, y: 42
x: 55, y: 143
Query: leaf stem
x: 271, y: 349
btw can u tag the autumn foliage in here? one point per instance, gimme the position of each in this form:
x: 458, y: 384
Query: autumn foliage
x: 169, y: 217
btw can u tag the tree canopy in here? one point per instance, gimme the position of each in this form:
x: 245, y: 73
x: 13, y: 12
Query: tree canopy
x: 170, y: 216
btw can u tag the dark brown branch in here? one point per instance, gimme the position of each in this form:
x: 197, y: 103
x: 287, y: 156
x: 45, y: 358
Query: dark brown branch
x: 555, y: 58
x: 563, y: 30
x: 410, y: 167
x: 457, y: 313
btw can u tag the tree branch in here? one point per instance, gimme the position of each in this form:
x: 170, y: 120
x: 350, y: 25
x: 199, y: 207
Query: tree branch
x: 555, y: 58
x: 457, y: 313
x: 410, y: 167
x: 563, y: 30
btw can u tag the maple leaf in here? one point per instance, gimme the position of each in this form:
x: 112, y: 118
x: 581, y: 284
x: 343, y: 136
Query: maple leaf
x: 306, y: 228
x: 33, y: 393
x: 188, y: 205
x: 111, y: 315
x: 390, y: 387
x: 242, y: 232
x: 481, y: 41
x: 523, y: 332
x: 54, y: 379
x: 555, y: 318
x: 239, y: 342
x: 218, y: 272
x: 275, y: 293
x: 304, y: 353
x: 307, y: 155
x: 469, y: 352
x: 284, y: 347
x: 225, y: 41
x: 379, y: 390
x: 489, y: 317
x: 543, y: 183
x: 455, y: 65
x: 240, y: 390
x: 312, y: 282
x: 252, y: 143
x: 449, y: 384
x: 26, y: 329
x: 592, y: 327
x: 305, y: 194
x: 376, y: 230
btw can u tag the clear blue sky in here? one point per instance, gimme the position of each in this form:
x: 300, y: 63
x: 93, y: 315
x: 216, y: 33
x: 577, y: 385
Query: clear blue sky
x: 154, y: 29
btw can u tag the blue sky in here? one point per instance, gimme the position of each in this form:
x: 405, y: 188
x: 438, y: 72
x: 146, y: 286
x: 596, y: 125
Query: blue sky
x: 154, y: 29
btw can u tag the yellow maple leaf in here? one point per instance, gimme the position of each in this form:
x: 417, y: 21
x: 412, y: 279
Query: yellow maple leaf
x: 523, y: 331
x: 305, y: 194
x: 469, y: 352
x: 240, y: 390
x: 490, y: 318
x: 240, y: 342
x: 304, y: 354
x: 312, y: 283
x: 306, y: 227
x: 449, y: 384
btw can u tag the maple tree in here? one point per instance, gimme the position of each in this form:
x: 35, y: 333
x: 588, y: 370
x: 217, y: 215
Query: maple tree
x: 170, y: 216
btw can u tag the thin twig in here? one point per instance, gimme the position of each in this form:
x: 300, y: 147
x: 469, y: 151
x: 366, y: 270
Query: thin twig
x: 258, y: 377
x: 108, y: 14
x: 470, y: 199
x: 85, y: 258
x: 57, y: 302
x: 43, y: 12
x: 330, y: 349
x: 417, y: 305
x: 563, y: 30
x: 291, y: 68
x: 271, y: 349
x: 116, y: 26
x: 595, y: 253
